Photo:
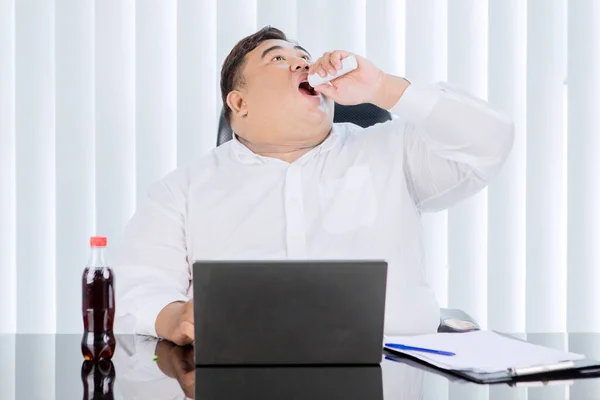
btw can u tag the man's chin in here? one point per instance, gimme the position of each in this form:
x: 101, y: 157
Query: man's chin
x: 322, y: 108
x: 319, y: 115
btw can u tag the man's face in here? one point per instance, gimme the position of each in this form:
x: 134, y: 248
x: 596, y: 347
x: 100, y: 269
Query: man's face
x: 281, y: 107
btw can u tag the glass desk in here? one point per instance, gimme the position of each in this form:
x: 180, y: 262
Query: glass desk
x: 51, y: 367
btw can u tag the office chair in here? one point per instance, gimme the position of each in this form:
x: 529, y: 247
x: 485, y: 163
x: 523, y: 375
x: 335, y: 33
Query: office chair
x: 365, y: 115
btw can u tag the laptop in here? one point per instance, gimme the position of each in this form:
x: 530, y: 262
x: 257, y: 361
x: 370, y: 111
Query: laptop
x: 289, y: 312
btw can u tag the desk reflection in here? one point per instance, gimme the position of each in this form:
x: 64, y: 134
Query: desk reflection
x: 98, y: 380
x: 171, y: 376
x: 174, y: 376
x: 48, y: 367
x: 351, y: 383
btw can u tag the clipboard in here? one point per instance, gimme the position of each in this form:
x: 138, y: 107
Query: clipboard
x: 577, y: 370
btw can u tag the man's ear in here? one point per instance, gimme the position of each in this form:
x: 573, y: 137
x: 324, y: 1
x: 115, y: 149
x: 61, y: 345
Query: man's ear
x: 235, y: 101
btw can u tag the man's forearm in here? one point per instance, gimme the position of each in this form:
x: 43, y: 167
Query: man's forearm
x: 391, y: 90
x: 168, y: 321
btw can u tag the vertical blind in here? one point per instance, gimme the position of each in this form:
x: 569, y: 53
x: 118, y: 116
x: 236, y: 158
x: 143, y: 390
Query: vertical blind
x: 98, y: 99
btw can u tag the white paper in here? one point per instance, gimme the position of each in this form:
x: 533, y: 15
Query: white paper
x: 481, y: 351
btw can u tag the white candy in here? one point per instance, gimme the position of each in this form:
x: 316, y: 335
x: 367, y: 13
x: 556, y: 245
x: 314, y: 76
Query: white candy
x: 348, y: 64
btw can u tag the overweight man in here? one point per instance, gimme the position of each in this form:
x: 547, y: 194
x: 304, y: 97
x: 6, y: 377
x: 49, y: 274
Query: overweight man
x: 293, y: 185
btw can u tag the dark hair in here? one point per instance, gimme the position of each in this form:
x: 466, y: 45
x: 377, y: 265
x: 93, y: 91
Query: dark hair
x: 231, y: 72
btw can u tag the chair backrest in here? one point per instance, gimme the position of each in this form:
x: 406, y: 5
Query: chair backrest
x: 362, y: 114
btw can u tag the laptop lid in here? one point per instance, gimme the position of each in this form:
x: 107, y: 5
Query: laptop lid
x: 289, y: 312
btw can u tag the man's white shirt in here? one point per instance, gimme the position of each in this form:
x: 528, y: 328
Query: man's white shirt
x: 358, y: 195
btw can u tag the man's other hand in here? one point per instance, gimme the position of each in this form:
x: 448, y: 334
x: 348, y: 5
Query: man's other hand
x: 175, y: 322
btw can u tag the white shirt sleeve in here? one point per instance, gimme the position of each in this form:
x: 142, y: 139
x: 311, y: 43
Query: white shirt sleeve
x: 453, y: 144
x: 151, y: 268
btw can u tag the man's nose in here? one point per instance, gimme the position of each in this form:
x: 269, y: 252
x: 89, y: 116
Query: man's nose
x: 298, y: 63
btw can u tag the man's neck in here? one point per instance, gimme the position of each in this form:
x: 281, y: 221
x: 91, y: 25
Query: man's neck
x: 285, y: 152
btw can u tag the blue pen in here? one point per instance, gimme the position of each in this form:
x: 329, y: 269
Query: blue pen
x: 421, y: 349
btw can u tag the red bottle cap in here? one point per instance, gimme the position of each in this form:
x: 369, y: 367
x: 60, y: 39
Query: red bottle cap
x: 98, y: 241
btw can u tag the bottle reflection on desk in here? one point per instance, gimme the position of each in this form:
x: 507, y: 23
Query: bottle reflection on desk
x: 98, y: 380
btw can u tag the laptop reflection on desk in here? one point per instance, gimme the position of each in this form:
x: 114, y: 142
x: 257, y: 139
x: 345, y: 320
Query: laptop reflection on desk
x: 300, y: 383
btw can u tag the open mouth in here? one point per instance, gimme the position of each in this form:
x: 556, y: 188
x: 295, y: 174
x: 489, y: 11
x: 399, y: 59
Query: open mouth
x: 305, y: 88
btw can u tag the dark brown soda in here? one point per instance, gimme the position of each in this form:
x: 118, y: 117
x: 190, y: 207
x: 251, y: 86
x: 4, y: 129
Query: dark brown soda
x: 98, y: 308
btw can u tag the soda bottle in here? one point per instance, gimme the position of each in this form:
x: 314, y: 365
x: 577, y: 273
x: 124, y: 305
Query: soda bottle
x: 98, y: 380
x: 98, y: 304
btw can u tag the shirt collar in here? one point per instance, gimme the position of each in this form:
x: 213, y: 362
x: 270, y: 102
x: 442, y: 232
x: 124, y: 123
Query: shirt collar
x: 244, y: 155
